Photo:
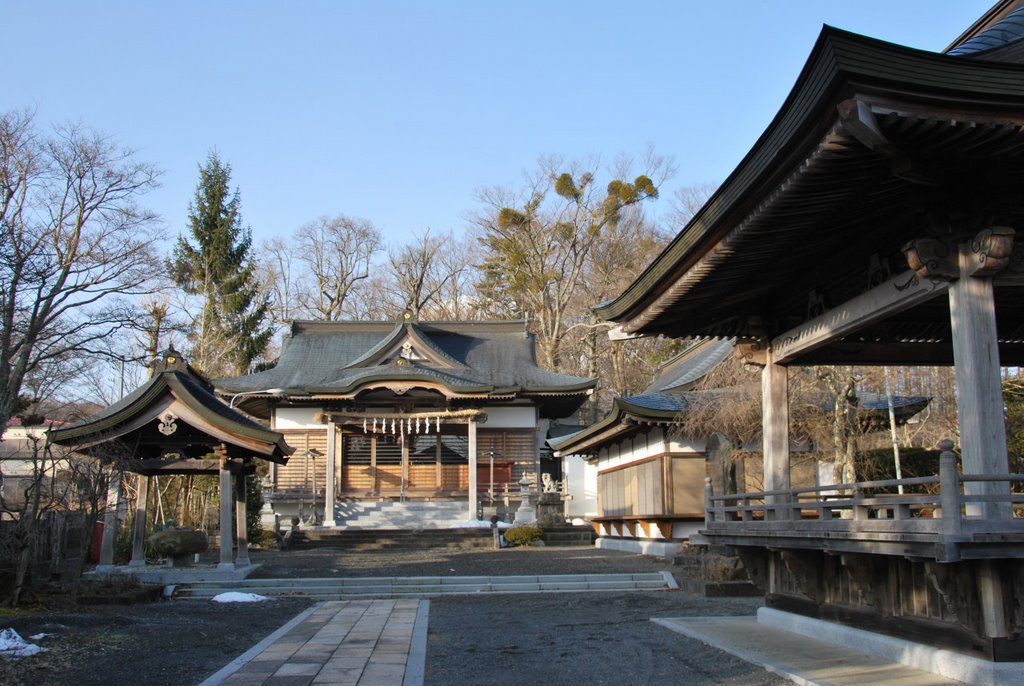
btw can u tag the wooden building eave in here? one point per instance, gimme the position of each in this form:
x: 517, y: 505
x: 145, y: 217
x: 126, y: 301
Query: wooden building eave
x: 814, y: 139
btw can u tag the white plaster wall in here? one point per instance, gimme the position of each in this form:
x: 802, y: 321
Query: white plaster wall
x: 581, y: 478
x: 642, y: 446
x: 297, y: 418
x: 687, y: 445
x: 632, y: 449
x: 511, y: 417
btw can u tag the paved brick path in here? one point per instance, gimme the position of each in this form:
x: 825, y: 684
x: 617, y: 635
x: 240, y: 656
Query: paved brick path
x: 339, y: 643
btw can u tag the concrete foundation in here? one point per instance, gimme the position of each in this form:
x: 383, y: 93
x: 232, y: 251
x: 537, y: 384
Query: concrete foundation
x: 664, y: 549
x: 947, y: 663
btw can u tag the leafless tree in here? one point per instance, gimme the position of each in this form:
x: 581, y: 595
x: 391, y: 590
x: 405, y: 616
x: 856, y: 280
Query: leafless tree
x: 537, y: 242
x: 686, y: 202
x: 336, y: 253
x: 40, y: 479
x: 75, y: 248
x: 280, y: 278
x: 429, y: 276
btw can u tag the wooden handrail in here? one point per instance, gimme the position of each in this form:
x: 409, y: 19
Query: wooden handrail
x: 906, y: 510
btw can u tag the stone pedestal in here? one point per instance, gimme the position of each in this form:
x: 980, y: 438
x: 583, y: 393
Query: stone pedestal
x: 550, y: 511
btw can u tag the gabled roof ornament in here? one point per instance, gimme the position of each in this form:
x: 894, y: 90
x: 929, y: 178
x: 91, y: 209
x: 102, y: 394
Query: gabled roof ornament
x: 169, y: 359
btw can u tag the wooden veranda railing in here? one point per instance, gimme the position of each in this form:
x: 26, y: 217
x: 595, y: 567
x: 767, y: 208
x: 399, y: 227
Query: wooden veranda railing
x: 873, y: 514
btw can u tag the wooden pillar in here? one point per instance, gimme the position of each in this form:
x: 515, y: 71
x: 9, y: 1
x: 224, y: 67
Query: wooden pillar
x: 540, y: 443
x: 331, y: 474
x: 241, y: 532
x: 472, y: 469
x: 979, y: 396
x: 775, y: 431
x: 438, y: 471
x: 109, y: 541
x: 992, y: 600
x: 226, y: 559
x: 403, y: 466
x: 139, y: 534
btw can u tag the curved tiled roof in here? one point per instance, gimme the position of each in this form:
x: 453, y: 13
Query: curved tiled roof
x: 866, y: 127
x: 692, y: 364
x: 1008, y: 30
x: 173, y: 378
x: 341, y: 358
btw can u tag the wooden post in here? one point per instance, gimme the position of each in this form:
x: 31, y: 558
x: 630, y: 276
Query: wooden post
x: 241, y: 533
x: 226, y: 558
x: 472, y: 469
x: 438, y: 472
x: 992, y: 599
x: 979, y: 396
x: 109, y: 541
x: 331, y: 475
x: 949, y: 490
x: 139, y: 534
x: 775, y: 429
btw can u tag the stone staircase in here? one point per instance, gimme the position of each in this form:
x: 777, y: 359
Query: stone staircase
x: 569, y: 536
x: 389, y: 514
x: 427, y: 586
x: 389, y: 539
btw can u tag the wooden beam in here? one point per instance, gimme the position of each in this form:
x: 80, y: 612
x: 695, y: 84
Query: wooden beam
x: 447, y: 416
x: 858, y: 120
x: 186, y: 466
x: 900, y: 293
x: 881, y: 353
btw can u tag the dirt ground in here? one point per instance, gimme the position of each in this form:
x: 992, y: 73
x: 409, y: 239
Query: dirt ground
x: 569, y: 638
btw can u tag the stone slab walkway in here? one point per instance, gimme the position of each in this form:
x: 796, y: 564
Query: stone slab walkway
x: 339, y: 643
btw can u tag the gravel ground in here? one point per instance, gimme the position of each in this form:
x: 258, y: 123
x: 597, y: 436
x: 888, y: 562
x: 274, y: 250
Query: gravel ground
x: 580, y: 638
x: 170, y: 643
x: 571, y: 638
x: 328, y: 562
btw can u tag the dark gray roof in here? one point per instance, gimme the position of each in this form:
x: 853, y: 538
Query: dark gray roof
x: 691, y: 365
x: 1008, y: 30
x: 340, y: 357
x: 658, y: 402
x: 172, y: 376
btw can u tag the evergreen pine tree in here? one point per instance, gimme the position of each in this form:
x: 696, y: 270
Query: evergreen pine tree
x: 214, y: 264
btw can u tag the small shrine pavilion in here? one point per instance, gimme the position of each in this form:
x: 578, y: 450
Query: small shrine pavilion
x: 449, y: 416
x: 874, y: 222
x: 174, y: 424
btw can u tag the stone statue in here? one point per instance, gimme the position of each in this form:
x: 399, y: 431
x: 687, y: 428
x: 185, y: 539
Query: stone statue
x: 550, y: 485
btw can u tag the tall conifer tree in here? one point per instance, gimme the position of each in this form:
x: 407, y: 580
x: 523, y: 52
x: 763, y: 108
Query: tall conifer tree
x: 214, y: 264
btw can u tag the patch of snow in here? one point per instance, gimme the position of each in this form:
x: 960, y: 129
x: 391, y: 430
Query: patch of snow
x: 13, y: 645
x: 580, y: 522
x: 38, y: 637
x: 236, y: 597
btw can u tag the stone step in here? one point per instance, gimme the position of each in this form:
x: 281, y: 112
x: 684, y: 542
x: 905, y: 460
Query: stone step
x: 390, y: 538
x: 393, y: 587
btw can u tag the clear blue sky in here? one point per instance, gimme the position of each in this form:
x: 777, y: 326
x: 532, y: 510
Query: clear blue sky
x: 397, y: 111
